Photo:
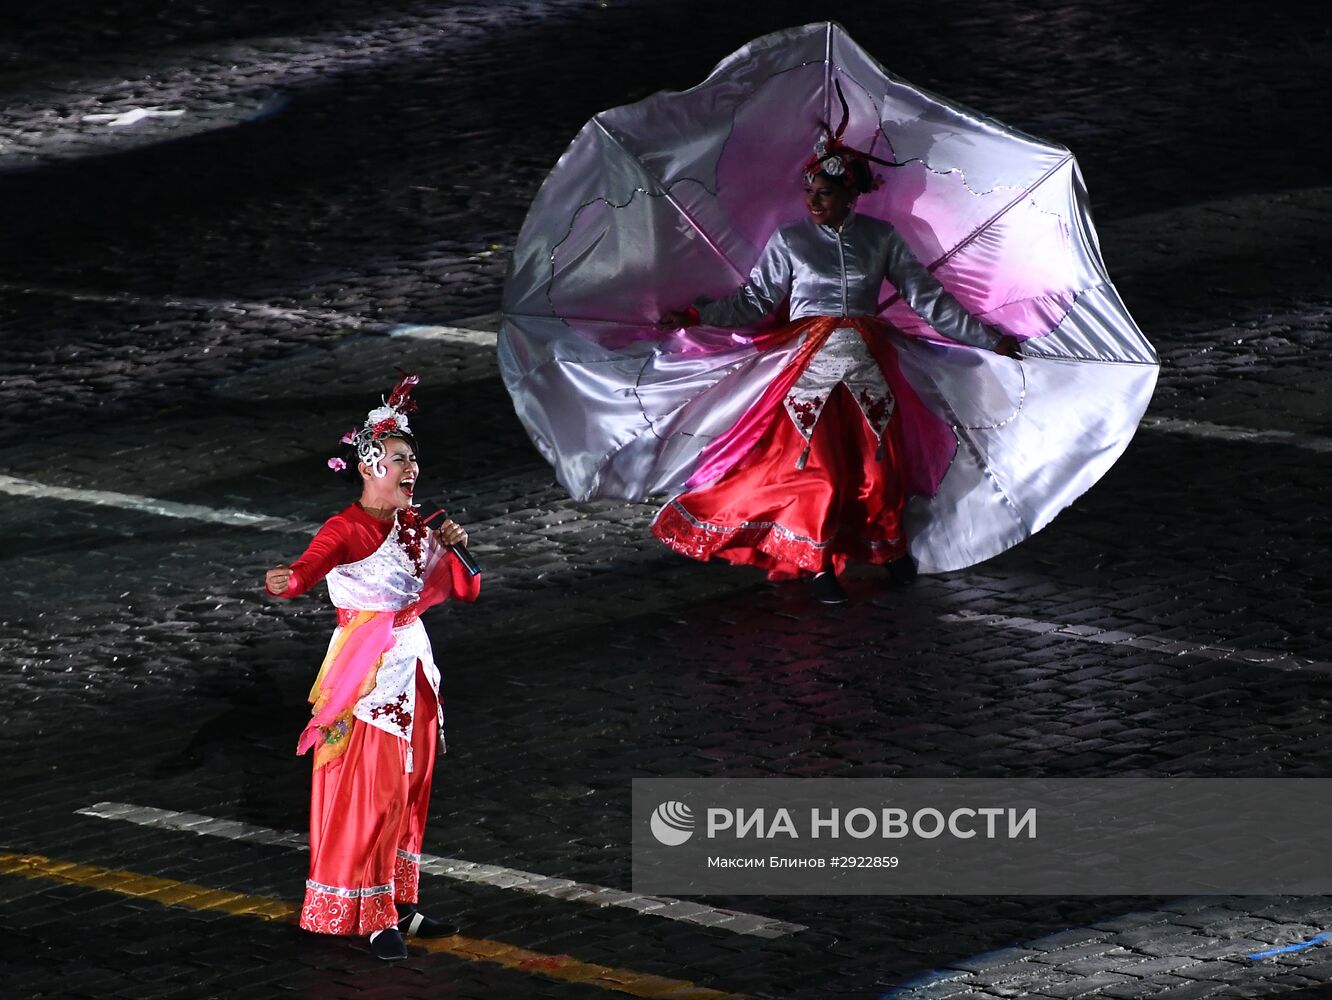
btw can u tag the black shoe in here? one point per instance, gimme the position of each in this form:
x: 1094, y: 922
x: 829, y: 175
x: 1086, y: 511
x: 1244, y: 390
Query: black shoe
x: 902, y: 572
x: 825, y: 589
x: 416, y: 924
x: 387, y: 945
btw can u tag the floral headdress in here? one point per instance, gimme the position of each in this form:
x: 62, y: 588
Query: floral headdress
x: 382, y: 422
x: 836, y: 159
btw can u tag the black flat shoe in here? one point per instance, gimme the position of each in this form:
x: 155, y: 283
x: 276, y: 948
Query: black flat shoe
x: 902, y: 572
x: 825, y: 589
x: 414, y: 923
x: 387, y: 945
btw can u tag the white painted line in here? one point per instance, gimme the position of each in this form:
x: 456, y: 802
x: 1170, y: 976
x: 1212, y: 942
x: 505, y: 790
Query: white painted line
x: 327, y: 317
x: 1156, y: 643
x: 241, y: 306
x: 450, y: 334
x: 1227, y: 432
x: 151, y: 505
x: 134, y: 115
x: 464, y: 871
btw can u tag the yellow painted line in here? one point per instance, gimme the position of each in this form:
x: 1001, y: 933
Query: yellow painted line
x: 168, y: 892
x: 159, y: 890
x: 570, y: 970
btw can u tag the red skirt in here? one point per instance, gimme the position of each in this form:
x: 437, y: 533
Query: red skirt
x: 846, y: 503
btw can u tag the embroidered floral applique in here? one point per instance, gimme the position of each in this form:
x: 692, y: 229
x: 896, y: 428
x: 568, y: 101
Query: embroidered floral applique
x: 412, y: 532
x: 334, y: 740
x: 337, y: 732
x: 805, y: 412
x: 878, y: 409
x: 876, y: 543
x: 396, y: 712
x: 347, y: 911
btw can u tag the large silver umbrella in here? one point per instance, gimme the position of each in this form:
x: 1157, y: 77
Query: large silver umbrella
x: 657, y: 202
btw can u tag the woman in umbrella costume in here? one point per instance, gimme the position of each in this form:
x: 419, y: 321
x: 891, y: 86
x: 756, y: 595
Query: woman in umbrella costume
x: 681, y: 194
x: 375, y: 723
x: 830, y: 481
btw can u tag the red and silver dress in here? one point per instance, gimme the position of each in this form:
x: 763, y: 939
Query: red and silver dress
x: 376, y: 721
x: 820, y: 470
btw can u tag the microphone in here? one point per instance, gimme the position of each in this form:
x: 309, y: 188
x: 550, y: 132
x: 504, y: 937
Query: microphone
x: 468, y: 562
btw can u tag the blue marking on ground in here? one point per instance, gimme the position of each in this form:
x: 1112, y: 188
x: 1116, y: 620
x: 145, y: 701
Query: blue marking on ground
x: 1301, y: 946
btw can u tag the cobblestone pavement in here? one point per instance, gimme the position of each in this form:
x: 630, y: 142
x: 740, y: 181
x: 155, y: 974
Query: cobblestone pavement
x: 192, y: 306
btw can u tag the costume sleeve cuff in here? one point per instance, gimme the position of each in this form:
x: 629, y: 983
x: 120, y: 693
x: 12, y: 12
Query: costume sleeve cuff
x: 291, y: 591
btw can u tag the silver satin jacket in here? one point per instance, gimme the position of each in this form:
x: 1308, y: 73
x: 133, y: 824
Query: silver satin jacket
x: 830, y: 272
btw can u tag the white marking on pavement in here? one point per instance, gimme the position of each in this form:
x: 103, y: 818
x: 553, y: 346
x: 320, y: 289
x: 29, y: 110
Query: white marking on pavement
x: 297, y: 314
x: 1227, y: 432
x: 331, y: 317
x: 465, y: 871
x: 151, y: 505
x: 1156, y: 643
x: 451, y: 334
x: 134, y: 115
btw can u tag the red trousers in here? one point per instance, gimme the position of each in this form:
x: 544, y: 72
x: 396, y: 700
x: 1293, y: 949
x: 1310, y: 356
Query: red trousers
x: 367, y: 820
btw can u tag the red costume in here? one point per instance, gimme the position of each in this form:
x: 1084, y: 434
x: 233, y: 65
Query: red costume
x: 376, y: 718
x: 819, y: 470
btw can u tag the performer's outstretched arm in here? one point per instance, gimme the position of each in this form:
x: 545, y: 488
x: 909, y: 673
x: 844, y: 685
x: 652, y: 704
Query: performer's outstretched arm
x: 936, y: 306
x: 769, y: 283
x: 326, y: 550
